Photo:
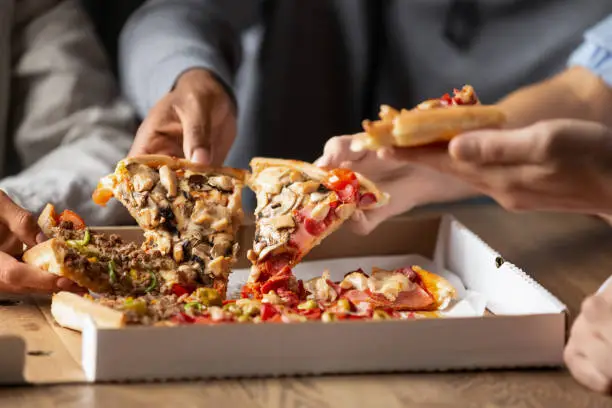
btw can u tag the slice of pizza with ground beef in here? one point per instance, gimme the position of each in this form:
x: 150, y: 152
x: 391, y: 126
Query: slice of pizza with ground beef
x: 188, y: 211
x: 105, y: 263
x: 298, y: 205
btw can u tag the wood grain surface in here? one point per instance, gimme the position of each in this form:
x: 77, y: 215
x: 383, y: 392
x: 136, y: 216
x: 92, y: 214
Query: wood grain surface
x: 570, y: 255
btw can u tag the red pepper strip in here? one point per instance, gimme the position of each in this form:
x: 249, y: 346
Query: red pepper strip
x: 267, y: 312
x: 182, y: 318
x: 178, y: 290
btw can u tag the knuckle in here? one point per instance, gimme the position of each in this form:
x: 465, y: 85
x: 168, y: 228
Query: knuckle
x: 592, y: 307
x: 492, y: 152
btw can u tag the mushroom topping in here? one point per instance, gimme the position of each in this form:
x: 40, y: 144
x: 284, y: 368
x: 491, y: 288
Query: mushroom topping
x: 305, y: 187
x: 317, y: 196
x: 220, y: 247
x: 389, y: 283
x: 280, y: 204
x: 356, y: 280
x: 202, y: 251
x: 198, y: 182
x: 262, y: 201
x: 168, y: 179
x: 280, y: 221
x: 143, y: 180
x: 269, y: 179
x: 320, y: 289
x: 221, y: 182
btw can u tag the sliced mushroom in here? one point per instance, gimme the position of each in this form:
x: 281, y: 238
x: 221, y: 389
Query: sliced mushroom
x: 320, y: 289
x: 201, y: 213
x: 167, y: 178
x: 202, y: 251
x: 269, y: 180
x: 344, y: 211
x: 272, y: 249
x: 220, y: 247
x: 355, y: 280
x: 144, y: 179
x: 221, y: 182
x: 263, y: 199
x: 280, y: 204
x: 280, y: 221
x: 389, y: 283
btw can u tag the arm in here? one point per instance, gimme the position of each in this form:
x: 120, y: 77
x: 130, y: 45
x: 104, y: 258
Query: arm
x: 70, y: 125
x: 583, y: 91
x: 166, y: 38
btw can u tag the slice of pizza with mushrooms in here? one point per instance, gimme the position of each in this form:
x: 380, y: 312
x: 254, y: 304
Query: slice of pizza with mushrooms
x: 188, y: 211
x: 298, y: 205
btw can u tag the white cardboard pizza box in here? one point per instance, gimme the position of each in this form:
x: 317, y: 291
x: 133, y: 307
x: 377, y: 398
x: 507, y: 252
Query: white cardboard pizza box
x: 525, y: 325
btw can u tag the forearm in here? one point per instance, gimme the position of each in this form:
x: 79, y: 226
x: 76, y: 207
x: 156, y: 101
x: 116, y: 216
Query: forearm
x: 574, y: 94
x: 164, y: 39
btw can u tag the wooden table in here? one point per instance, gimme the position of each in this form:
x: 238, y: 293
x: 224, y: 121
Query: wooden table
x: 570, y: 255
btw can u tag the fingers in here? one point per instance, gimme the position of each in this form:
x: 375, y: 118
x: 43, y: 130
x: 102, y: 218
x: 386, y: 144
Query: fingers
x: 18, y: 277
x: 337, y: 151
x: 18, y: 220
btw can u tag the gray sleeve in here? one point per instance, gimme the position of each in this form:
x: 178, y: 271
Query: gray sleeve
x: 70, y: 125
x: 165, y: 38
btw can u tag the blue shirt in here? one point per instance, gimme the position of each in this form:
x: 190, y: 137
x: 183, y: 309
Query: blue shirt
x: 595, y: 53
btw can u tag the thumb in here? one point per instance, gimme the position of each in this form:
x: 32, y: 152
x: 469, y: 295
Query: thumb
x: 494, y: 146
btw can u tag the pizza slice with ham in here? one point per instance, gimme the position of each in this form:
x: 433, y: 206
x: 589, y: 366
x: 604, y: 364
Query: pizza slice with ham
x: 298, y: 205
x: 188, y: 211
x: 432, y: 121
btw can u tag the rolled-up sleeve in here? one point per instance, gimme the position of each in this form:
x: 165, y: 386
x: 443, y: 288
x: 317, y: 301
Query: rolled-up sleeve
x: 595, y: 53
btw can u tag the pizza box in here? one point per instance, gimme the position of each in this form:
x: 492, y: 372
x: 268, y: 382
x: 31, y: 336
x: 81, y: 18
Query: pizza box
x: 523, y: 325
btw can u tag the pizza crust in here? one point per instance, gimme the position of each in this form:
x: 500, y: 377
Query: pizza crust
x: 49, y: 256
x: 419, y: 127
x: 71, y: 311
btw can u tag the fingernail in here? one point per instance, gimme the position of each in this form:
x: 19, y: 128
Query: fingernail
x: 200, y: 155
x: 40, y: 238
x: 465, y: 149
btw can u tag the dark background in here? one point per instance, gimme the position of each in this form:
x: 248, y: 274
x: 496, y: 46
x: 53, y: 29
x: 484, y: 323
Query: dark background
x: 108, y: 17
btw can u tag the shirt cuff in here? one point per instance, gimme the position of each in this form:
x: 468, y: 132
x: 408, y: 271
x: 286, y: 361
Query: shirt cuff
x: 595, y: 53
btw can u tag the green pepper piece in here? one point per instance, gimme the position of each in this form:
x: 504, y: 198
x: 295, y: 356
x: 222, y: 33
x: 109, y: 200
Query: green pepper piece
x: 112, y: 273
x: 153, y: 283
x: 193, y: 305
x: 80, y: 243
x: 208, y: 297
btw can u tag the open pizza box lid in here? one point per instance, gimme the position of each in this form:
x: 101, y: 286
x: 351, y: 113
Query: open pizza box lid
x: 523, y: 326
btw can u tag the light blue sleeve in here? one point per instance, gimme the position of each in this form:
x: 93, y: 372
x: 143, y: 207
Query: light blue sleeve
x: 595, y: 53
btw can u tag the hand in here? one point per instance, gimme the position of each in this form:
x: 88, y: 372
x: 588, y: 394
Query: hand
x: 18, y: 227
x: 408, y: 185
x: 588, y: 353
x: 554, y: 165
x: 196, y: 120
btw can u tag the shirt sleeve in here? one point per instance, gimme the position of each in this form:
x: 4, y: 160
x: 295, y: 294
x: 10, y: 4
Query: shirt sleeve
x: 70, y: 125
x: 595, y: 53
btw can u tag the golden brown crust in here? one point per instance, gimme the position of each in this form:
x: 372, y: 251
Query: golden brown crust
x: 258, y: 164
x: 175, y: 163
x: 419, y: 127
x: 71, y: 310
x: 49, y: 256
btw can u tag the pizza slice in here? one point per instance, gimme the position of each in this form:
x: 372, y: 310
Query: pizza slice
x: 434, y: 120
x: 406, y: 289
x: 104, y: 263
x: 188, y: 211
x: 298, y: 205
